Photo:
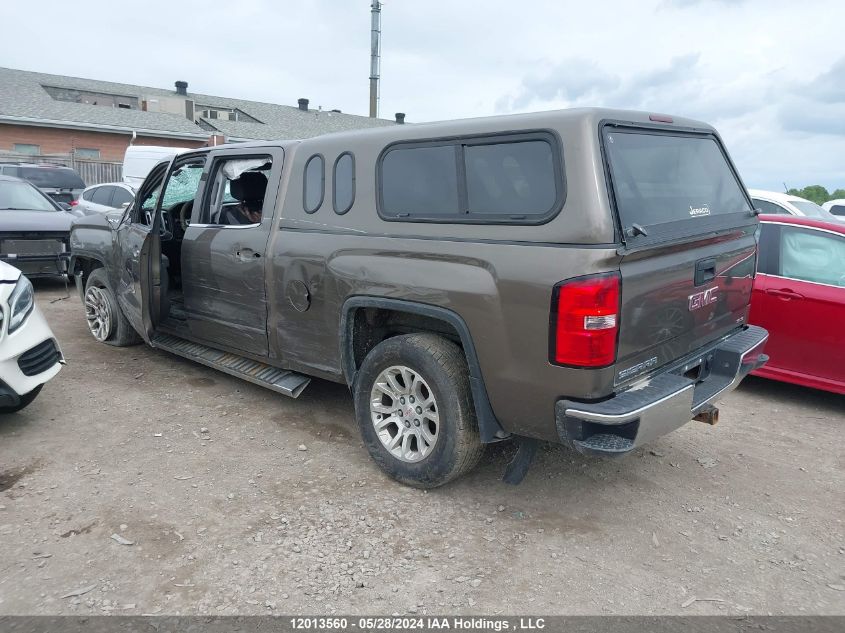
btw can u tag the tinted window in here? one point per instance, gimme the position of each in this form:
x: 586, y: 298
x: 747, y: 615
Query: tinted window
x: 420, y: 181
x: 510, y: 178
x: 769, y: 207
x: 315, y: 176
x: 659, y: 178
x: 52, y: 177
x: 837, y: 209
x: 811, y: 255
x: 102, y: 195
x: 344, y: 183
x: 121, y: 197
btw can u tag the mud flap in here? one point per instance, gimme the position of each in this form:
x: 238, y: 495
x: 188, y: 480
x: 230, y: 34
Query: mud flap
x: 517, y: 468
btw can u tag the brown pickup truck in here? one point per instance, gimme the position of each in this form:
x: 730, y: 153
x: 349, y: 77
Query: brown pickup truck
x: 578, y: 276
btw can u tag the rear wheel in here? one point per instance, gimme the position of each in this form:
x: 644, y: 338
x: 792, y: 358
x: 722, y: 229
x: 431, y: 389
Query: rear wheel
x: 414, y: 410
x: 25, y: 401
x: 104, y: 316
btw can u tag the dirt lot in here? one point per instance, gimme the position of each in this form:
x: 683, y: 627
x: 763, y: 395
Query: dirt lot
x: 207, y: 477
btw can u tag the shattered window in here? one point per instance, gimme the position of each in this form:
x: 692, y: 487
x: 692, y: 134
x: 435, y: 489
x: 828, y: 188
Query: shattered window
x: 183, y: 184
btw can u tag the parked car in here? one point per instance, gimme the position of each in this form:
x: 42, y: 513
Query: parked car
x: 140, y: 159
x: 799, y: 297
x: 34, y: 229
x: 468, y: 279
x: 775, y: 203
x: 105, y: 197
x: 29, y: 353
x: 835, y: 207
x: 61, y: 183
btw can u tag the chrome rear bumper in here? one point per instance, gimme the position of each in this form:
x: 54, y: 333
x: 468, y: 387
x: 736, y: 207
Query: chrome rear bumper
x: 662, y: 403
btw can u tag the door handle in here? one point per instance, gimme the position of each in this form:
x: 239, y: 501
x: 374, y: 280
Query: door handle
x: 785, y: 294
x: 705, y: 270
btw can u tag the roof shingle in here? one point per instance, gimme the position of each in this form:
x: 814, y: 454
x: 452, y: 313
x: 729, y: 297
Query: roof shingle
x: 22, y: 96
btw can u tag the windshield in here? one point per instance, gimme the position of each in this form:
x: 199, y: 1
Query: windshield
x: 659, y: 178
x: 52, y: 177
x: 810, y: 209
x: 22, y: 196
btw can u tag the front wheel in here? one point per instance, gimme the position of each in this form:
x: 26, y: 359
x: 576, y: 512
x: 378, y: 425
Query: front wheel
x: 25, y: 401
x: 104, y: 316
x: 415, y: 412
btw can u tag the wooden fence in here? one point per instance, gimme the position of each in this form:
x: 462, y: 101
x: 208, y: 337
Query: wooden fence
x: 92, y: 171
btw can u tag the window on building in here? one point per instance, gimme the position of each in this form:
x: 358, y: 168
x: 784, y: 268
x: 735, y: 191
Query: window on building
x: 225, y: 114
x: 86, y: 152
x: 343, y: 184
x: 27, y: 148
x: 315, y: 177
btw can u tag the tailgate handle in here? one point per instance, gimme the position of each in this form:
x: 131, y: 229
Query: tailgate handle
x: 705, y: 270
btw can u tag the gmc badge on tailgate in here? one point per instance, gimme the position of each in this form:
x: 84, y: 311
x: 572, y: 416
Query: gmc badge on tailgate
x: 705, y: 298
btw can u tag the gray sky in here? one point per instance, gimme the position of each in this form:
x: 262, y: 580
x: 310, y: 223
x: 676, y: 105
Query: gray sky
x: 769, y: 74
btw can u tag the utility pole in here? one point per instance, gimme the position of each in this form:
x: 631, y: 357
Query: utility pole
x: 375, y: 56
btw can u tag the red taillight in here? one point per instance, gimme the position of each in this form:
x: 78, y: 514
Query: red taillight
x: 73, y: 203
x: 585, y: 321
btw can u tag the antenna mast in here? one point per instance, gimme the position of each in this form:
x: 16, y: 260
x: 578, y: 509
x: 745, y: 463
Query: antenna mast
x: 375, y: 56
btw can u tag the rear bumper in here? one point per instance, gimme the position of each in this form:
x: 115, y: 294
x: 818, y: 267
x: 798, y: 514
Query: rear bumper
x: 663, y: 402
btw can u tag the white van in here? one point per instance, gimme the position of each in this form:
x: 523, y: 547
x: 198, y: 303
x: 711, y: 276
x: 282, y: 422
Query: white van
x: 140, y: 159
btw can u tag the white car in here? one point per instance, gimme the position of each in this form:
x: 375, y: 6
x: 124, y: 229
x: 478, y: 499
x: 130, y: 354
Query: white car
x: 835, y: 207
x: 104, y: 197
x: 774, y: 203
x: 29, y: 353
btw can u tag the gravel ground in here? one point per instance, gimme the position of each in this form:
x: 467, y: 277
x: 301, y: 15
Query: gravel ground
x: 238, y: 500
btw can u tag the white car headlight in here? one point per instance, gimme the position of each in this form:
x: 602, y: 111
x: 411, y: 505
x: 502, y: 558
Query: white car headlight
x: 21, y: 303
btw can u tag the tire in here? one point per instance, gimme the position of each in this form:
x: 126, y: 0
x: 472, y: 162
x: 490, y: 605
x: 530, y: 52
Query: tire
x: 103, y: 314
x: 25, y: 401
x: 438, y: 391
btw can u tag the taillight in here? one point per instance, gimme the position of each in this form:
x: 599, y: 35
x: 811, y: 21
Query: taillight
x: 73, y: 203
x: 585, y: 321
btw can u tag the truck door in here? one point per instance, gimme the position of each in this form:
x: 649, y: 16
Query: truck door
x: 224, y: 252
x: 137, y: 239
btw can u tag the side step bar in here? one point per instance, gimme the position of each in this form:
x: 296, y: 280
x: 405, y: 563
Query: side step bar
x: 281, y: 380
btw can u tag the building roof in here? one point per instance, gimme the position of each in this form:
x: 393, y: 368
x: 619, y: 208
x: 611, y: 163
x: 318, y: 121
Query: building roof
x: 23, y: 99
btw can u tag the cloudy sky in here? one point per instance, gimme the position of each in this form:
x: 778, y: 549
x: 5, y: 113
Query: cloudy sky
x: 770, y: 74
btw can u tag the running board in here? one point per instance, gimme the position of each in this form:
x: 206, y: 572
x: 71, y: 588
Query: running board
x: 287, y: 382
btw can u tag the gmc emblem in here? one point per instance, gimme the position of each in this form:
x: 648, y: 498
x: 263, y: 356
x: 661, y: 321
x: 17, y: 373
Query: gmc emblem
x: 705, y: 298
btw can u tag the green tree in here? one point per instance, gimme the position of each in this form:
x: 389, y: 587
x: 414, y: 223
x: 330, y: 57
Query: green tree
x: 816, y: 193
x: 839, y: 194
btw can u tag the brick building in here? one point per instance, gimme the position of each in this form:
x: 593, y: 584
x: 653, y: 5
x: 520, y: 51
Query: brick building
x: 73, y: 120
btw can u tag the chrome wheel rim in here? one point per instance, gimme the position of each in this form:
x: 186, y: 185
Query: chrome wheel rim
x: 98, y: 313
x: 404, y: 414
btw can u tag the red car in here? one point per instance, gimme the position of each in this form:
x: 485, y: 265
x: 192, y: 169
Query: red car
x: 799, y: 297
